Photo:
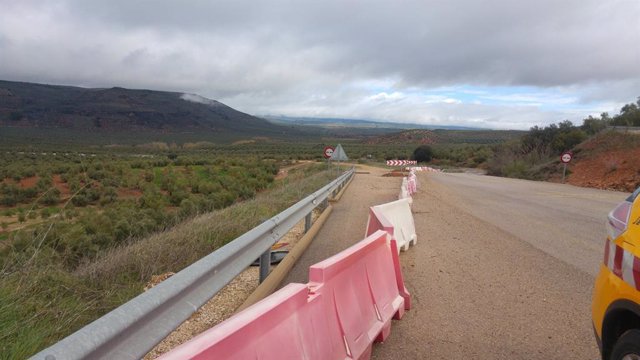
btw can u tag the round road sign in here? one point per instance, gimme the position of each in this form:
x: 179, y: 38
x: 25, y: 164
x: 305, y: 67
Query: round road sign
x: 328, y: 151
x: 566, y: 157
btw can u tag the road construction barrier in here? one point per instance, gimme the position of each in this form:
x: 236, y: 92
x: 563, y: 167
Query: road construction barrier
x: 359, y: 287
x: 396, y: 214
x: 260, y: 329
x: 423, y: 168
x: 347, y: 305
x: 376, y: 222
x: 404, y: 191
x: 412, y: 186
x: 413, y: 176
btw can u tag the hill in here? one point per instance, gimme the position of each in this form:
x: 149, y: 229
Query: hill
x: 333, y: 123
x: 607, y: 161
x: 442, y: 136
x: 28, y: 105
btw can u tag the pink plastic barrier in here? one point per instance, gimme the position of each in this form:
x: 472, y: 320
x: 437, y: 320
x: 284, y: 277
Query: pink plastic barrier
x: 359, y: 287
x: 377, y: 221
x: 412, y: 186
x: 286, y: 325
x: 346, y: 306
x: 415, y: 178
x: 423, y: 168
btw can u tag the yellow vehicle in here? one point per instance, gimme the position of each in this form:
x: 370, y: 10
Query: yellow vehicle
x: 616, y: 294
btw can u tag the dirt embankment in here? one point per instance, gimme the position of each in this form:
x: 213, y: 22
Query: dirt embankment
x: 608, y: 161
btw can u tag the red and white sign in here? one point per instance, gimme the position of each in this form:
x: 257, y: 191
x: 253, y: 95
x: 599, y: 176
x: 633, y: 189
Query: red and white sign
x: 401, y: 162
x: 328, y: 151
x: 566, y: 157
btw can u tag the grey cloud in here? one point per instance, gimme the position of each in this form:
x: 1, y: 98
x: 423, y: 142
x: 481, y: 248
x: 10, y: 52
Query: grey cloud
x: 541, y: 43
x: 284, y: 54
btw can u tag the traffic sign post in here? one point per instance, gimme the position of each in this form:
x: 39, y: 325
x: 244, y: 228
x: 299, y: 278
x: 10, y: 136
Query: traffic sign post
x: 327, y: 153
x: 565, y: 158
x: 339, y: 154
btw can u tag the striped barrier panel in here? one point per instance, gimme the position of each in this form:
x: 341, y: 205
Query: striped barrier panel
x: 398, y: 215
x: 346, y: 306
x: 622, y: 263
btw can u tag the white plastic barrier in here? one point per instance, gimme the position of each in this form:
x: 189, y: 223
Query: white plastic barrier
x: 413, y: 175
x: 397, y: 214
x: 423, y: 168
x: 404, y: 191
x: 412, y: 185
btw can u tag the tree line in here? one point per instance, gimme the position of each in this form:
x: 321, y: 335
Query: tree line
x: 526, y: 157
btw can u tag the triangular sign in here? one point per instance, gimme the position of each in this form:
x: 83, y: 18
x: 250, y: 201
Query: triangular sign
x: 339, y: 154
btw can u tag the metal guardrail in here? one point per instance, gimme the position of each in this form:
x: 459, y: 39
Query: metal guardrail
x: 624, y: 128
x: 133, y: 329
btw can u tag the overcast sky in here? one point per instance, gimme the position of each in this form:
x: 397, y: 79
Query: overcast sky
x: 497, y: 64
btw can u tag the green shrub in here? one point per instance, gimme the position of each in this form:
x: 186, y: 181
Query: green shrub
x: 51, y: 197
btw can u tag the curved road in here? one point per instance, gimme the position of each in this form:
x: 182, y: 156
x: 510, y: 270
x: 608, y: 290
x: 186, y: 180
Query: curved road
x: 503, y: 269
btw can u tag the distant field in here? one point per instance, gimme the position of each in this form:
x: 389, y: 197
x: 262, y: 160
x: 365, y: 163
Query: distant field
x: 48, y: 137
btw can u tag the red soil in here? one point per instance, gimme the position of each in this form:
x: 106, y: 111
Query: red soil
x: 129, y: 193
x: 29, y: 182
x: 62, y: 186
x: 619, y: 170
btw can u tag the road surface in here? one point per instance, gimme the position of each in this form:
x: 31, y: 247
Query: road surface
x: 564, y: 221
x: 503, y: 269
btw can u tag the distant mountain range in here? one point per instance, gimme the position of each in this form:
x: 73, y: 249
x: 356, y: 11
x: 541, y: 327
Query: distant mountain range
x: 117, y: 109
x: 38, y: 113
x: 357, y: 123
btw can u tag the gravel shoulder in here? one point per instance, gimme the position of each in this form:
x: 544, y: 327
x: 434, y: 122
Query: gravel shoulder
x: 480, y: 292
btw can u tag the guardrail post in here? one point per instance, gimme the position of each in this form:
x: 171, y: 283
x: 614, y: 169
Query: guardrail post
x: 307, y: 222
x: 265, y: 264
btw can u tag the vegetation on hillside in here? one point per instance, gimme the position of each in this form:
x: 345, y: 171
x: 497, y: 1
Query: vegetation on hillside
x: 629, y: 115
x: 49, y: 287
x: 535, y: 155
x: 76, y: 206
x: 609, y: 161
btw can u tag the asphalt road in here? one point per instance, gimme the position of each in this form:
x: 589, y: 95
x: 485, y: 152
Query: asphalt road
x: 503, y: 269
x: 564, y: 221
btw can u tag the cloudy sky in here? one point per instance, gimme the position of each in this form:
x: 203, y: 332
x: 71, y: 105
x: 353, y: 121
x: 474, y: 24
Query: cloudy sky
x: 486, y: 63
